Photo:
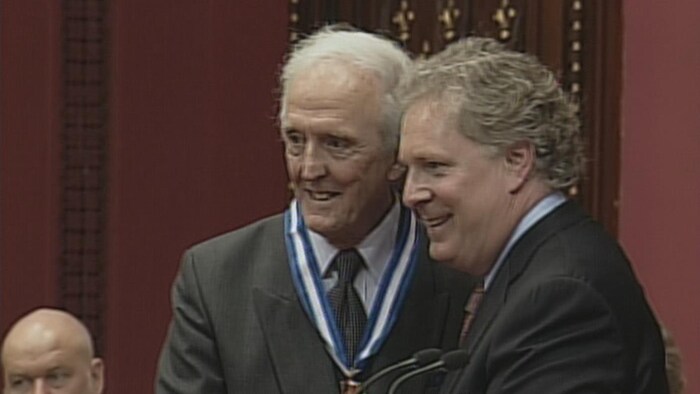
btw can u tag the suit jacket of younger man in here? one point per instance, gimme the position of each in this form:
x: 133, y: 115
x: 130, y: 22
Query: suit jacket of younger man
x: 564, y: 314
x: 239, y: 327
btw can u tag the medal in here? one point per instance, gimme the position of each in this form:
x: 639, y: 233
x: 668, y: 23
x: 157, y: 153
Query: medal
x: 349, y: 386
x: 391, y: 291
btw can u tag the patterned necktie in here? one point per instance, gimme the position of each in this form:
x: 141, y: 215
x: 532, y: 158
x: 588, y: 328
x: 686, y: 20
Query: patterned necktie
x: 470, y: 309
x: 349, y: 312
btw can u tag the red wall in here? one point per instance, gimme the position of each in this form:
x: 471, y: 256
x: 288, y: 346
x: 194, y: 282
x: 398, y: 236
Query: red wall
x: 29, y: 156
x: 660, y: 179
x: 194, y: 152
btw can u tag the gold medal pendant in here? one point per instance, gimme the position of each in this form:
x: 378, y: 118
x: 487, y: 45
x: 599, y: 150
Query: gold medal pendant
x: 349, y: 386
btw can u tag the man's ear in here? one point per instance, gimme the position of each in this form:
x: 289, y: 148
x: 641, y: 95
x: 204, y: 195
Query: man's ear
x: 520, y: 164
x: 396, y: 172
x: 97, y: 373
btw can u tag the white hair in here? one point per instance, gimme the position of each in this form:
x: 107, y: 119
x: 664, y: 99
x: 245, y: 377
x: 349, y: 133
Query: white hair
x: 366, y: 51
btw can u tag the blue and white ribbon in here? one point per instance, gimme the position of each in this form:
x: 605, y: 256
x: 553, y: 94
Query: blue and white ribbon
x: 390, y: 294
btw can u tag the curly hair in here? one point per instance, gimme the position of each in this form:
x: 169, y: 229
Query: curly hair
x: 366, y: 51
x: 502, y: 97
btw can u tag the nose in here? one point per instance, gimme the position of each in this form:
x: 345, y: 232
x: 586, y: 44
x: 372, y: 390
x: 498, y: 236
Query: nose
x: 414, y: 191
x: 313, y: 165
x: 40, y: 387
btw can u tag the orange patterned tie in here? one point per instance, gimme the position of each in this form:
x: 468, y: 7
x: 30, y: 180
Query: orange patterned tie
x: 470, y: 310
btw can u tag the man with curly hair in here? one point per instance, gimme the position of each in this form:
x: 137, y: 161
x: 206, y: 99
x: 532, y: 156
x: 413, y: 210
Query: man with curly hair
x: 491, y: 142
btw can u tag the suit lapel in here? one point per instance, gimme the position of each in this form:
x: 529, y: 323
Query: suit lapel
x: 564, y: 216
x: 421, y: 323
x: 294, y: 346
x: 516, y: 262
x: 488, y: 310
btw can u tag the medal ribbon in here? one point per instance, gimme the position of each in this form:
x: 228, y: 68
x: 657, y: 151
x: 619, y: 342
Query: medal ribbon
x: 390, y: 294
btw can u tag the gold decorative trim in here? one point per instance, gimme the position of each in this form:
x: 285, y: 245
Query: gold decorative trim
x: 293, y: 20
x: 575, y: 52
x: 504, y: 17
x: 573, y: 77
x: 448, y: 17
x: 403, y: 18
x: 425, y: 49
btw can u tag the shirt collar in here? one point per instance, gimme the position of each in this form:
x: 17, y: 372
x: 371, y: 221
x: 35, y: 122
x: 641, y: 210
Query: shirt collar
x: 534, y: 215
x: 375, y: 248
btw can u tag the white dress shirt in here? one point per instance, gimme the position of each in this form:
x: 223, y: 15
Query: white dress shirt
x: 376, y: 249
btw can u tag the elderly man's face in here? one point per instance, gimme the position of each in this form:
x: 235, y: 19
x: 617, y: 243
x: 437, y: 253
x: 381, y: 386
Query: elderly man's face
x: 336, y: 159
x: 456, y: 187
x: 51, y: 368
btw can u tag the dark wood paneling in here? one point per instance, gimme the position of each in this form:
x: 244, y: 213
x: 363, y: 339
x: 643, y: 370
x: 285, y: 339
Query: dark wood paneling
x: 578, y: 39
x: 84, y: 127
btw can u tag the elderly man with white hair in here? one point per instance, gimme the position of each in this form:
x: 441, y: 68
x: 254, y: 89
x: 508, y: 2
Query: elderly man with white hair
x: 319, y: 298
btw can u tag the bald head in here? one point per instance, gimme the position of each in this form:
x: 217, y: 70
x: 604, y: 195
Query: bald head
x: 51, y: 349
x: 44, y: 330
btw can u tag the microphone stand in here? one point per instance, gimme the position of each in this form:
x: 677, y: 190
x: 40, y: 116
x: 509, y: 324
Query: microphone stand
x: 420, y: 358
x: 405, y: 377
x: 448, y: 362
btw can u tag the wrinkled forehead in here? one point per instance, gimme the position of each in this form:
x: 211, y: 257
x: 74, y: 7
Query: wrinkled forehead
x: 332, y: 75
x: 34, y: 364
x: 36, y: 342
x: 348, y: 96
x: 30, y: 341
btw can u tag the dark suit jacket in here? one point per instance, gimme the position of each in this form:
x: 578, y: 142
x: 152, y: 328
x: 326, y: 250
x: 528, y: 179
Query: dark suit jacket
x: 238, y: 326
x: 564, y: 314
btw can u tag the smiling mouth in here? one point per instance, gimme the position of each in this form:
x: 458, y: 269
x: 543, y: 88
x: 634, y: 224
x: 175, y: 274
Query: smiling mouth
x: 435, y: 222
x: 321, y: 196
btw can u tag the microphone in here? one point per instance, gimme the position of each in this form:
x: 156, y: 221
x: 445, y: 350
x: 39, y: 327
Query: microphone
x: 448, y: 362
x: 419, y: 359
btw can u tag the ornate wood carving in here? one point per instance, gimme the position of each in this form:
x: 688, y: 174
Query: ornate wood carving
x: 403, y: 18
x: 504, y: 17
x: 578, y: 39
x: 449, y: 19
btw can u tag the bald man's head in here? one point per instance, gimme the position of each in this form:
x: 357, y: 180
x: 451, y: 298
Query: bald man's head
x: 51, y: 350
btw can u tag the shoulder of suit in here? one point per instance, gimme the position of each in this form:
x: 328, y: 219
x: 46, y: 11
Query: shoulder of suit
x: 254, y: 235
x: 584, y: 252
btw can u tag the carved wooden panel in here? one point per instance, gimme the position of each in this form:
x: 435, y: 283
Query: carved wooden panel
x: 579, y: 39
